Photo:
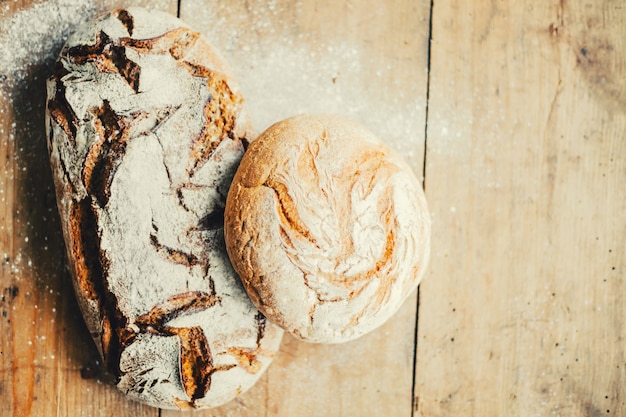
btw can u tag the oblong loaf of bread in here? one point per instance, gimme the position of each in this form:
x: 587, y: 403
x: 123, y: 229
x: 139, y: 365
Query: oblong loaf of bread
x: 146, y: 128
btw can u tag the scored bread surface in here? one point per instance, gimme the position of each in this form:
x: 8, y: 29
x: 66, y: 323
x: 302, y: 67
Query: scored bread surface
x: 327, y: 227
x: 146, y: 128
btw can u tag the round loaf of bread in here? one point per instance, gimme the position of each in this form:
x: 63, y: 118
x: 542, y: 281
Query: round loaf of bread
x: 327, y: 227
x: 146, y: 127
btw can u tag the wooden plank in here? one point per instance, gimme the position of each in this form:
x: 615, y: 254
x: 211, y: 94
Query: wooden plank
x: 48, y: 364
x: 522, y: 313
x: 366, y: 60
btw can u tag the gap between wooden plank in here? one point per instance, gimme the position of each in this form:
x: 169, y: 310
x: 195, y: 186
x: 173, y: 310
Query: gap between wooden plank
x: 430, y: 38
x: 417, y: 307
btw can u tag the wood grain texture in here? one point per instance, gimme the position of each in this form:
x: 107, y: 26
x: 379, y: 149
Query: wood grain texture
x: 522, y: 313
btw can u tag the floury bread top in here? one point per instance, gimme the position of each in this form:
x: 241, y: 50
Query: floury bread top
x: 327, y: 226
x: 146, y: 128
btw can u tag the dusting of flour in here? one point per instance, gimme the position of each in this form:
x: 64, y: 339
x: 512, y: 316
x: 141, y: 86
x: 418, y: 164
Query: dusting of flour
x: 36, y: 34
x: 33, y: 36
x: 284, y: 71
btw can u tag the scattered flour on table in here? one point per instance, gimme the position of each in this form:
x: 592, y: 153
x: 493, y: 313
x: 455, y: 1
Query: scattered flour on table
x: 29, y: 38
x: 36, y: 34
x: 283, y: 71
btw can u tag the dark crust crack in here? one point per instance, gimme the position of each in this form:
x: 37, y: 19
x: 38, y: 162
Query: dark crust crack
x: 126, y: 19
x: 84, y: 241
x: 220, y: 113
x: 181, y: 196
x: 180, y: 304
x: 115, y: 319
x: 106, y: 153
x: 196, y: 365
x: 174, y: 255
x: 91, y: 269
x: 107, y: 56
x: 246, y: 358
x: 177, y: 42
x: 58, y: 107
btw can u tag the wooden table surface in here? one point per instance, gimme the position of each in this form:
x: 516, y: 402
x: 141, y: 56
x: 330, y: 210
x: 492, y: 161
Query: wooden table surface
x: 515, y: 114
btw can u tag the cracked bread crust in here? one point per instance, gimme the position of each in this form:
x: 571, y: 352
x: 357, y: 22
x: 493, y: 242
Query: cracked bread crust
x: 327, y: 227
x: 146, y: 127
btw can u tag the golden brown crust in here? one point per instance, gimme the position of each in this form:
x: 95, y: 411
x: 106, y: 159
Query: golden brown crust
x: 327, y: 227
x: 81, y: 226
